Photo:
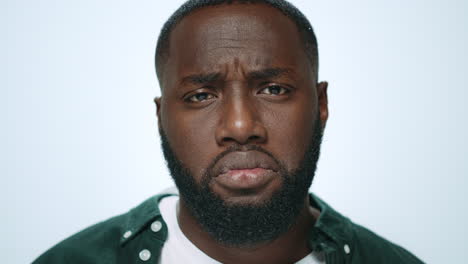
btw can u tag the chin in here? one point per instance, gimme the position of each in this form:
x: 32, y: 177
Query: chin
x: 247, y: 200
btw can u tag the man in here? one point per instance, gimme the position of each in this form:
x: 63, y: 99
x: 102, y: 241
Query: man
x: 241, y: 118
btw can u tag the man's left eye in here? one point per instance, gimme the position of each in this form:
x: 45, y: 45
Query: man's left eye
x: 274, y: 90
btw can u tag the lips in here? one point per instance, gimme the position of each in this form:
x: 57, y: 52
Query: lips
x: 245, y: 160
x: 245, y: 170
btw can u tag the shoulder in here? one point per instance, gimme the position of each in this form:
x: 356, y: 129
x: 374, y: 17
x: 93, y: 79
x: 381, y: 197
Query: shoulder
x: 103, y: 242
x: 370, y: 246
x: 90, y: 245
x: 357, y: 243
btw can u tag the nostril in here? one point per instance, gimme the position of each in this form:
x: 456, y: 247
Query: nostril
x: 250, y: 132
x: 254, y: 138
x: 228, y: 139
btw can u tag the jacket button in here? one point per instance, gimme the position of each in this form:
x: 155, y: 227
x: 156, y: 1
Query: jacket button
x: 127, y: 234
x: 145, y: 255
x: 156, y: 226
x: 347, y: 250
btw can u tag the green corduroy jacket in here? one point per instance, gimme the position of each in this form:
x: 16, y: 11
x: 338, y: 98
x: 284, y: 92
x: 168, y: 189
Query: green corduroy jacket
x: 139, y: 235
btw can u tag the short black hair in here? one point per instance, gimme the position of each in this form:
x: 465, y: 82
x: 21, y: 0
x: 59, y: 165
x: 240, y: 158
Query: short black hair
x: 303, y: 25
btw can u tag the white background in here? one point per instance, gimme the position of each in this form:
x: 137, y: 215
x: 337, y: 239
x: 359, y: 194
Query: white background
x: 78, y: 131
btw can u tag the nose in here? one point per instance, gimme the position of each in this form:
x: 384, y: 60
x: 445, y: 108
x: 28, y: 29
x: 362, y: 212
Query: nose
x: 240, y: 123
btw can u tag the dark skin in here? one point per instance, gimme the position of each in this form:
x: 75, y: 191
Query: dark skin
x: 238, y: 74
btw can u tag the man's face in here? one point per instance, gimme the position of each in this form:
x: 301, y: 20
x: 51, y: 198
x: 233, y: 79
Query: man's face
x: 240, y: 105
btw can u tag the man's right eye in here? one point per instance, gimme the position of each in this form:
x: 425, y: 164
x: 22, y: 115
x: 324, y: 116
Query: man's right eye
x: 200, y: 97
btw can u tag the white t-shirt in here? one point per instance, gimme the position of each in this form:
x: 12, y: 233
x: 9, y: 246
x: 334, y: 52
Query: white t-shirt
x: 178, y: 249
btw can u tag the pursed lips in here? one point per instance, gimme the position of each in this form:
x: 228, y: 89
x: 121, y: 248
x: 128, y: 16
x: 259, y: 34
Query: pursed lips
x: 245, y: 160
x: 245, y: 173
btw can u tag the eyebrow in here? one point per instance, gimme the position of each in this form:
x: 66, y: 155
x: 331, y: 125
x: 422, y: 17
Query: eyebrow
x: 200, y: 79
x: 269, y: 73
x: 263, y: 74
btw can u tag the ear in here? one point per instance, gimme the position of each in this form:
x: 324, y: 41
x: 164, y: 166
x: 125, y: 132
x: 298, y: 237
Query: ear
x: 157, y: 101
x: 323, y: 102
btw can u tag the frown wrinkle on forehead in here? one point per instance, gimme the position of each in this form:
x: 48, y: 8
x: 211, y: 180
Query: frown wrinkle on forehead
x: 256, y: 75
x: 237, y: 18
x: 233, y: 39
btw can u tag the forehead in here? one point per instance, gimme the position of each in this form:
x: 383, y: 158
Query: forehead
x: 253, y: 35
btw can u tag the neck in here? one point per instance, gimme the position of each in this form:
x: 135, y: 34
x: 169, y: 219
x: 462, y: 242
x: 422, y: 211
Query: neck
x: 289, y: 247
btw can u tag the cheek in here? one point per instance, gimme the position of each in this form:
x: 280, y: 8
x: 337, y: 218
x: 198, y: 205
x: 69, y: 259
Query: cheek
x: 191, y: 138
x: 290, y: 131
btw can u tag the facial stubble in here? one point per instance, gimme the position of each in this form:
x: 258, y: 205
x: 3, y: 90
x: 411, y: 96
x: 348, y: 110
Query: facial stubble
x: 245, y: 225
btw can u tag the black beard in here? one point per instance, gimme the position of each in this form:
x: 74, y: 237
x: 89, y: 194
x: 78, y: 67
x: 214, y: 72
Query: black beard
x: 245, y: 225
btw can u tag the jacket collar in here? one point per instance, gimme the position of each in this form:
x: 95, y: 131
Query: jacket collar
x: 143, y: 215
x: 331, y: 230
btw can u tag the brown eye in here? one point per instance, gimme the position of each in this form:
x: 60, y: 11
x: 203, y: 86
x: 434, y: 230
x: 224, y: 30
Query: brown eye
x: 200, y: 97
x: 275, y: 90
